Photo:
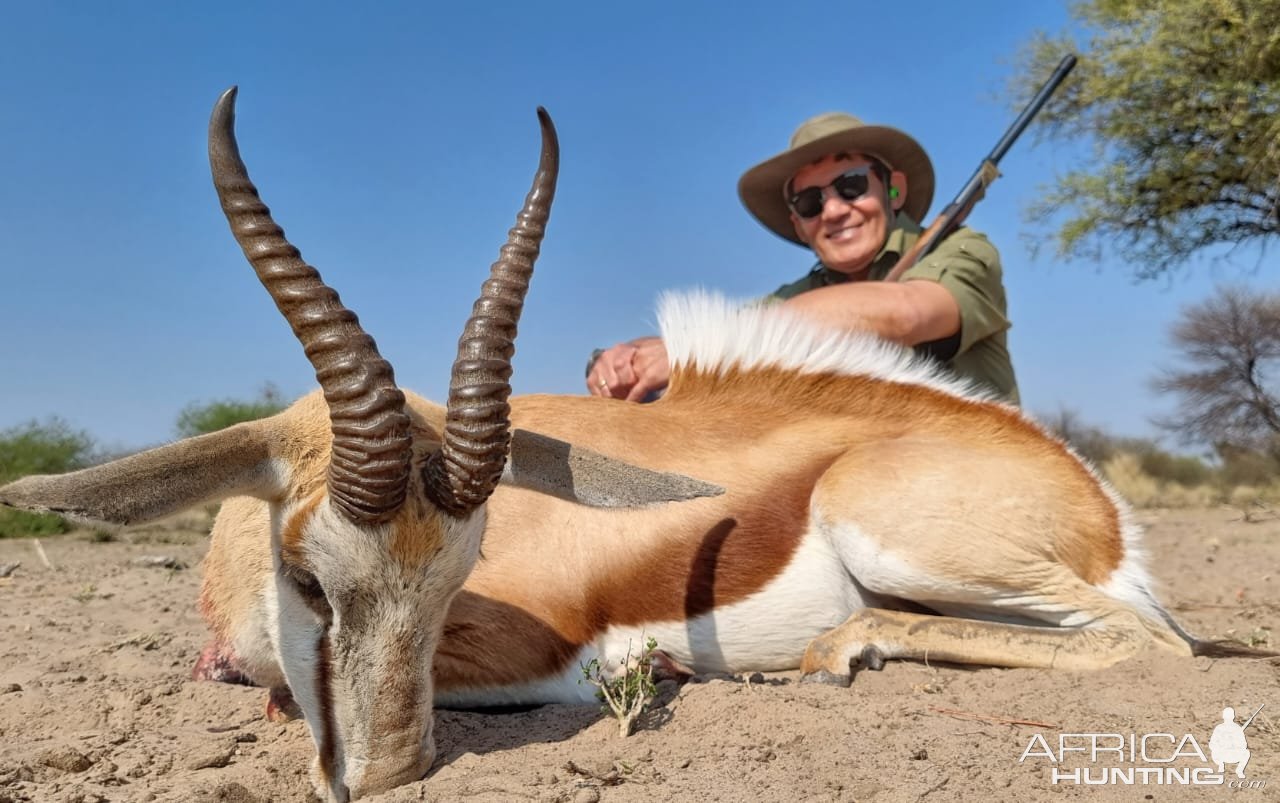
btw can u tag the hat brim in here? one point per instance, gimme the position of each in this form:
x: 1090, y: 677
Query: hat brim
x: 761, y: 187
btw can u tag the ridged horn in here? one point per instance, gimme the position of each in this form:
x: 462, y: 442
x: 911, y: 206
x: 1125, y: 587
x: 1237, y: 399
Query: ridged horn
x: 372, y: 447
x: 462, y: 475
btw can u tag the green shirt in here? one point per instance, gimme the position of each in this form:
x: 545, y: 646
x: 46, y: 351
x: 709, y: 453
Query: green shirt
x: 968, y: 266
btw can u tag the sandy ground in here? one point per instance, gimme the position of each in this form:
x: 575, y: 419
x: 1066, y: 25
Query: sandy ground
x: 96, y: 703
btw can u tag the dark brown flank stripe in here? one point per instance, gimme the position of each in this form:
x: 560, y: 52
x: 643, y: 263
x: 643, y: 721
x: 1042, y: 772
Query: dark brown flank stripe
x: 328, y: 748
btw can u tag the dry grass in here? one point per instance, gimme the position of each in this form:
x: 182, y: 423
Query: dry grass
x: 1124, y: 472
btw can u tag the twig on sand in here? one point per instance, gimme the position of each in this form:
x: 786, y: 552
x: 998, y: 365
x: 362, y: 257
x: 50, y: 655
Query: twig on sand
x: 934, y: 788
x: 951, y: 712
x: 147, y: 641
x: 40, y: 551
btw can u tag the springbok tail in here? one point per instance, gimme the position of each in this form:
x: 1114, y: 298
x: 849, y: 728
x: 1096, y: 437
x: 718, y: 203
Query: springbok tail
x: 1213, y: 648
x: 1226, y: 648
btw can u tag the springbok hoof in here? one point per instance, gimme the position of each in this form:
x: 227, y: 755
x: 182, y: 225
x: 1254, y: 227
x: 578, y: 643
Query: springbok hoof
x: 870, y: 658
x: 829, y: 678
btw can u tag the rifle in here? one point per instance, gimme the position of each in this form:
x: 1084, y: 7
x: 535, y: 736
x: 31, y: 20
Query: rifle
x: 955, y: 212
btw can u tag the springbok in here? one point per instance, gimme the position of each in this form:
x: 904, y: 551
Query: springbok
x: 855, y: 504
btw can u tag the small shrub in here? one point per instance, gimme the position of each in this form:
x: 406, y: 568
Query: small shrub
x: 628, y: 695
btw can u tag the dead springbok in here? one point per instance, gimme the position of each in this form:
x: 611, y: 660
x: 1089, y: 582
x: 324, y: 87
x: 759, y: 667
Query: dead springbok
x: 871, y: 509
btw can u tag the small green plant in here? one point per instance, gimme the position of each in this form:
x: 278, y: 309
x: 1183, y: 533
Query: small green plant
x: 629, y: 694
x: 88, y: 592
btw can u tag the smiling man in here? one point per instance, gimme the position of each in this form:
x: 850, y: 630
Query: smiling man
x: 855, y: 194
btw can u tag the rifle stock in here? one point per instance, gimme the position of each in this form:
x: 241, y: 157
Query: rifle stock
x: 955, y: 212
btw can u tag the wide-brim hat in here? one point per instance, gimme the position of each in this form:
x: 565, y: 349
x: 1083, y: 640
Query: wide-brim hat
x: 762, y: 187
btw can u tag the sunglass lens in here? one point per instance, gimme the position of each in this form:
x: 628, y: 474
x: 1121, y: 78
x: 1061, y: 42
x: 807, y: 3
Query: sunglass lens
x: 851, y: 186
x: 808, y: 202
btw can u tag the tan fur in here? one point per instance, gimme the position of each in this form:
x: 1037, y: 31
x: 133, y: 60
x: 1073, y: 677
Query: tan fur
x: 235, y: 566
x: 947, y: 431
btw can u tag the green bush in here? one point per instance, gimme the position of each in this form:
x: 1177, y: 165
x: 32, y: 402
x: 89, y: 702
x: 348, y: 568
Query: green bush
x: 203, y: 418
x: 34, y: 448
x: 1188, y: 471
x: 21, y: 524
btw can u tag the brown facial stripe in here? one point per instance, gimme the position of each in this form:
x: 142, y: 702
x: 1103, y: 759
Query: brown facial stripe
x: 327, y: 741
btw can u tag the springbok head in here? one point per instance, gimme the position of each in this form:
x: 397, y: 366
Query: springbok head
x: 376, y: 512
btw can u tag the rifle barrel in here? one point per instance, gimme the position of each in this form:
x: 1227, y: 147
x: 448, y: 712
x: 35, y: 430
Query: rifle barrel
x: 1033, y: 108
x: 957, y: 210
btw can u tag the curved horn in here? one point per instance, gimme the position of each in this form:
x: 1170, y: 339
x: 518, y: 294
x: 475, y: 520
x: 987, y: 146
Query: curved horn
x: 369, y: 461
x: 465, y: 471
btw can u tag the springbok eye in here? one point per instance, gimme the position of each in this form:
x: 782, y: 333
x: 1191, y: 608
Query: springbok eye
x: 309, y: 588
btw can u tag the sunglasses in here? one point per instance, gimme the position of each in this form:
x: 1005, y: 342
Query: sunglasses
x: 849, y: 186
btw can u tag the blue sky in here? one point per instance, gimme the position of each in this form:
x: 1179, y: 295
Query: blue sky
x: 395, y: 142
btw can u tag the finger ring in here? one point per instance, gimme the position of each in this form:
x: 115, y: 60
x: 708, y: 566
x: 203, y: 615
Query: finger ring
x: 604, y: 385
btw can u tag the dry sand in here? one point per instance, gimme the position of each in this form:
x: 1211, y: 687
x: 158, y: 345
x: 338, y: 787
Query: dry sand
x: 96, y: 703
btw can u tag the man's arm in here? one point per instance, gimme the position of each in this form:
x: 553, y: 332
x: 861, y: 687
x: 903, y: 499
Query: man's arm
x: 908, y: 312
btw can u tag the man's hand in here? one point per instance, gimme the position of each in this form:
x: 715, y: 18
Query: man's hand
x: 631, y: 370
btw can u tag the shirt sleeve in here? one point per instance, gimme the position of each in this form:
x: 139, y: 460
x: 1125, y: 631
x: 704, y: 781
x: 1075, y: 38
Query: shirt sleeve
x: 793, y: 289
x: 968, y: 266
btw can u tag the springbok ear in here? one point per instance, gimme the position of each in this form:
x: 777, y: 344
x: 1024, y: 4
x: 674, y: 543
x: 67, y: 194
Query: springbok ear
x: 560, y: 469
x: 157, y: 482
